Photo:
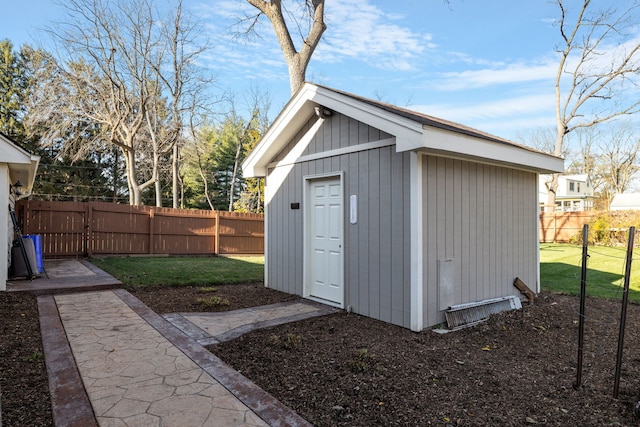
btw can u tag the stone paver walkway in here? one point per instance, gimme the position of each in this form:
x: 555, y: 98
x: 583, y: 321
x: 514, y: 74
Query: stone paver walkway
x: 137, y: 369
x: 135, y: 376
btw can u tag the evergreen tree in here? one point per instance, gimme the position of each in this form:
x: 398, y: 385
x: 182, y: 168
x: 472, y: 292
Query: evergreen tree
x: 212, y: 169
x: 13, y: 87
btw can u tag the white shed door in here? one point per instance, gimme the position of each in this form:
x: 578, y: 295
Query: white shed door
x: 324, y: 236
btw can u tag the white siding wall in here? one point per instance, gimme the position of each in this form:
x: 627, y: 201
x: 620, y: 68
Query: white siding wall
x: 484, y: 218
x: 6, y: 226
x: 376, y: 247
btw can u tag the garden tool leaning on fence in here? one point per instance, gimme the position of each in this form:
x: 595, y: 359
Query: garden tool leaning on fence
x: 20, y: 243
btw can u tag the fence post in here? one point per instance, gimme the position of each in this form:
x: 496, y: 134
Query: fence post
x: 26, y: 224
x: 151, y: 227
x: 623, y: 312
x: 583, y: 292
x: 216, y: 246
x: 88, y: 229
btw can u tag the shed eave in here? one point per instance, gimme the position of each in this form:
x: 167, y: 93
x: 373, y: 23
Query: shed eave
x: 25, y: 173
x: 22, y: 165
x: 11, y: 153
x: 446, y: 143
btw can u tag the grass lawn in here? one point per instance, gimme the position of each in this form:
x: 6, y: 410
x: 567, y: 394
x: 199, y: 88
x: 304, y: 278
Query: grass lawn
x: 560, y: 269
x: 183, y: 271
x: 560, y: 266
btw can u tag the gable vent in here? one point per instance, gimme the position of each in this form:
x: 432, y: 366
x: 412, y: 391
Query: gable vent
x: 474, y: 312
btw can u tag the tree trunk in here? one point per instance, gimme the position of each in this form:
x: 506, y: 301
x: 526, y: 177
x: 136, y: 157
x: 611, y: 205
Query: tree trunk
x: 234, y: 176
x: 297, y: 62
x: 134, y: 188
x: 552, y: 187
x: 158, y: 187
x: 175, y: 170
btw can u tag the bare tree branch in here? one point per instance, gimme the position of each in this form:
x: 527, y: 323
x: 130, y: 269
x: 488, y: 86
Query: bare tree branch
x: 599, y: 57
x: 297, y: 61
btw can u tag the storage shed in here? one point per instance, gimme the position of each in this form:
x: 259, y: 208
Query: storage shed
x: 17, y: 174
x: 391, y: 213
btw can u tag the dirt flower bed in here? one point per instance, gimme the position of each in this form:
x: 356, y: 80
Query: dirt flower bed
x: 194, y: 299
x: 517, y: 369
x: 24, y: 387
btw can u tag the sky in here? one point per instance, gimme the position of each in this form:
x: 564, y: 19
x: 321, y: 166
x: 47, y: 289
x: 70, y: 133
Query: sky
x: 487, y: 64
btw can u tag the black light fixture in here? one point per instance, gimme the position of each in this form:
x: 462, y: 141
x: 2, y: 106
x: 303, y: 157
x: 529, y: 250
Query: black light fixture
x: 323, y: 112
x: 17, y: 188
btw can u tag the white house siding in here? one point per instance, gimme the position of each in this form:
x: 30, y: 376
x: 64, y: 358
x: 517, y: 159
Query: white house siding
x: 376, y: 252
x: 6, y: 231
x: 484, y: 218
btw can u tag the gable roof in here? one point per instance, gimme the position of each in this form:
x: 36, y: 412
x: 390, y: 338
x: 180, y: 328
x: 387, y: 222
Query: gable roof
x: 583, y: 177
x: 22, y: 164
x: 412, y: 130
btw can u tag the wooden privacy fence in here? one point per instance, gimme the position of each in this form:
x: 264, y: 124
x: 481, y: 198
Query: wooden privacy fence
x: 78, y: 229
x: 562, y: 226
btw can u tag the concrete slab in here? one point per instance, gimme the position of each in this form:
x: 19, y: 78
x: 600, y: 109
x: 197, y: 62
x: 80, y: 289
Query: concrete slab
x: 213, y: 328
x: 64, y: 276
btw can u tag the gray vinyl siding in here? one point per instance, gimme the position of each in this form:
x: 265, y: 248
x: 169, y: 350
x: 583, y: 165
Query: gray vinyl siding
x: 484, y: 218
x: 338, y: 131
x: 376, y: 248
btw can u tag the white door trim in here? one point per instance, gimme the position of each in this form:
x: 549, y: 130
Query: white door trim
x: 306, y: 263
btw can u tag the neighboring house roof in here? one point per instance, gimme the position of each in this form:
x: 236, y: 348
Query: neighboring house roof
x: 413, y: 131
x: 625, y: 201
x: 583, y: 177
x: 22, y: 164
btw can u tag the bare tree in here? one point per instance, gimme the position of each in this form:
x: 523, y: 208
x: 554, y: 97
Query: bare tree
x: 184, y: 84
x: 619, y: 160
x: 297, y: 60
x: 599, y: 60
x: 134, y: 69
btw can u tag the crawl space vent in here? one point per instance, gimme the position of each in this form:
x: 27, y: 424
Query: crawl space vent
x: 474, y: 312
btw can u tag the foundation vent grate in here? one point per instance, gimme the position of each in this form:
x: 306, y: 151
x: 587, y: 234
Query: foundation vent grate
x: 470, y: 313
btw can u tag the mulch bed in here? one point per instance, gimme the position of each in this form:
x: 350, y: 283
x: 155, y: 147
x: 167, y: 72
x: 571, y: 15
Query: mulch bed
x: 517, y: 369
x: 185, y: 299
x: 24, y: 386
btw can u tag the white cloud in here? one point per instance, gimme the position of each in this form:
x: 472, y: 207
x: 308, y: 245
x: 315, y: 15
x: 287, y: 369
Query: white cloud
x: 527, y: 104
x: 360, y: 30
x: 504, y: 117
x: 509, y: 73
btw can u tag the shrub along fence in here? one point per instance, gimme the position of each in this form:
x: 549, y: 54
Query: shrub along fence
x: 79, y: 229
x: 605, y: 227
x: 563, y: 226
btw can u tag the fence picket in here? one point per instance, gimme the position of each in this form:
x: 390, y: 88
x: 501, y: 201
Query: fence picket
x: 561, y: 227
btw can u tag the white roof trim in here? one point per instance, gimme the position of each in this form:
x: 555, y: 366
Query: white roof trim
x: 22, y: 164
x: 11, y: 153
x: 464, y: 146
x: 410, y: 134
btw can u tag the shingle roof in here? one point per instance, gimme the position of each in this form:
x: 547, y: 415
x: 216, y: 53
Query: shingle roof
x: 433, y: 121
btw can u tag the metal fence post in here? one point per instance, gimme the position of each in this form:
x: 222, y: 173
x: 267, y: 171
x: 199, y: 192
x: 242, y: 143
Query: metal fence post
x: 583, y: 292
x: 623, y: 312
